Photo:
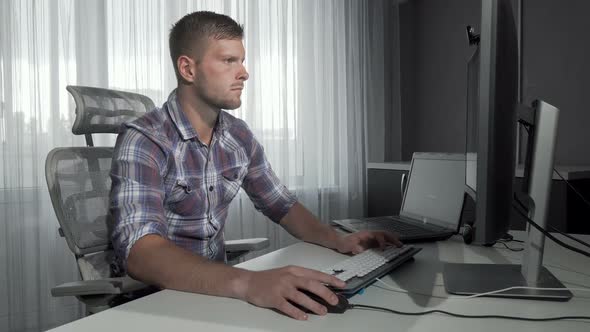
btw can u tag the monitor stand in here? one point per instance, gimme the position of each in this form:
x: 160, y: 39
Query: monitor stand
x: 471, y: 279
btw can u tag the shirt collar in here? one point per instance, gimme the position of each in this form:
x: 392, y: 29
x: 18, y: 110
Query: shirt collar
x: 184, y: 126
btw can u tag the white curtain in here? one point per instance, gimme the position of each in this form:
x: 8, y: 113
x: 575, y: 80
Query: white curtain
x: 310, y: 92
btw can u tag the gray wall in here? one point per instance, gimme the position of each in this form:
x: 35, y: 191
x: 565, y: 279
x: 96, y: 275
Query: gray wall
x: 434, y: 73
x: 556, y: 58
x: 434, y: 53
x: 383, y: 99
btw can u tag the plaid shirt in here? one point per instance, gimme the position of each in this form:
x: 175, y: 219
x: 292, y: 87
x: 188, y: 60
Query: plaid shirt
x: 165, y: 181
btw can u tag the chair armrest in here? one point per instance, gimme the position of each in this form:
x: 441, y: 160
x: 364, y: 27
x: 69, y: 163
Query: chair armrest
x: 87, y: 287
x: 246, y: 244
x: 97, y: 287
x: 130, y: 284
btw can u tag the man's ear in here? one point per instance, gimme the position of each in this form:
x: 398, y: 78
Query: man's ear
x: 186, y: 68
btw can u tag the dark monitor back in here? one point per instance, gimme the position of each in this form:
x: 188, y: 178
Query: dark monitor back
x: 491, y: 128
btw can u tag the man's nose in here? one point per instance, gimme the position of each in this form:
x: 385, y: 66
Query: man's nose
x: 243, y: 74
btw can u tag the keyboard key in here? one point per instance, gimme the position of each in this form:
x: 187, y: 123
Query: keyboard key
x: 362, y: 264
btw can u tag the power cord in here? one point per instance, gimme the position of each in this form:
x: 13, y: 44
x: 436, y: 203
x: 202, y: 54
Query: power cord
x: 572, y: 187
x: 515, y: 240
x: 526, y: 127
x: 555, y: 229
x: 508, y: 247
x: 421, y: 313
x: 509, y: 238
x: 547, y: 234
x: 551, y: 227
x: 569, y: 236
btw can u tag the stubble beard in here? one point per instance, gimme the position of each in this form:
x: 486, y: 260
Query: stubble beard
x: 217, y: 103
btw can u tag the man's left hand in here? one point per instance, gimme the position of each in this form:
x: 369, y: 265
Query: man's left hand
x: 358, y: 242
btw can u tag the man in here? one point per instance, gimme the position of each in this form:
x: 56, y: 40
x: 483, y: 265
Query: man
x: 176, y: 169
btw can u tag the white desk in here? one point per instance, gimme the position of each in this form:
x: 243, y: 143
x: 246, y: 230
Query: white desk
x: 176, y: 311
x: 568, y: 172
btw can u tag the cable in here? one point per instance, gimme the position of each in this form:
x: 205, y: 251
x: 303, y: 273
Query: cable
x: 572, y: 187
x: 421, y: 313
x: 525, y: 287
x: 553, y: 228
x: 508, y: 247
x: 569, y: 236
x: 513, y: 240
x: 509, y: 238
x: 549, y: 235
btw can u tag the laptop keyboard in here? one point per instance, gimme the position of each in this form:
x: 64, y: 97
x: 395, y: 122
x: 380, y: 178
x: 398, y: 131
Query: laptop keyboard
x: 392, y: 225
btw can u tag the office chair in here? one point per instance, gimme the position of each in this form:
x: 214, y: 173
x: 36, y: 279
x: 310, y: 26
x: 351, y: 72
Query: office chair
x: 79, y: 185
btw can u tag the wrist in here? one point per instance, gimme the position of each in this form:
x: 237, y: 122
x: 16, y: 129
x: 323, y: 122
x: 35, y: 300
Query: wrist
x: 240, y: 284
x: 336, y: 241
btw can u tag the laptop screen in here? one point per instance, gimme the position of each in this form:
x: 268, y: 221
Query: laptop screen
x: 435, y: 189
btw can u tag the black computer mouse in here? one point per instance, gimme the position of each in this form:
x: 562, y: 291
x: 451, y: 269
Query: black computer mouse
x: 339, y: 308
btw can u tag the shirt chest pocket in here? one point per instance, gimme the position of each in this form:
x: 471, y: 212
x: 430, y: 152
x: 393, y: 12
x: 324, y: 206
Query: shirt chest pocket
x: 187, y: 197
x: 231, y: 180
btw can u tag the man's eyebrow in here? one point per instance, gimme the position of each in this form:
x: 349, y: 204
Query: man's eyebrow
x: 233, y: 57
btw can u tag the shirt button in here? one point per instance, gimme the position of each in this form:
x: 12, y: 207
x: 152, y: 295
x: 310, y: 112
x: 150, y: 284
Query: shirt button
x: 211, y: 188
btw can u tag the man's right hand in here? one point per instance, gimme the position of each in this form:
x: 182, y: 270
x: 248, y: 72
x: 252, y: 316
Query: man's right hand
x: 277, y: 288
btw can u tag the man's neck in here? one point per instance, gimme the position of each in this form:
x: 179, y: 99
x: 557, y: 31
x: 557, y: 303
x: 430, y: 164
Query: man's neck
x: 202, y: 116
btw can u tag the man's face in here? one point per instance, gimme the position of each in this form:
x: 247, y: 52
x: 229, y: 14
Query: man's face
x: 220, y: 75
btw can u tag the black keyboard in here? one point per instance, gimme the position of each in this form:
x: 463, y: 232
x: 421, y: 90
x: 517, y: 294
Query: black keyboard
x: 361, y: 270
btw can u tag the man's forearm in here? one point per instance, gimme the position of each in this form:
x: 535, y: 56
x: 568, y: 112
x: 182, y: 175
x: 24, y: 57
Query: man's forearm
x: 157, y: 261
x: 302, y: 224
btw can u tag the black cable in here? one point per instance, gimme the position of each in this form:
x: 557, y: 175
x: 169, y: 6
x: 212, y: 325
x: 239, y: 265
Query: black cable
x: 561, y: 176
x: 509, y: 238
x: 549, y: 235
x: 569, y: 236
x: 572, y: 187
x: 508, y: 247
x: 524, y: 208
x: 421, y: 313
x: 582, y: 198
x: 553, y: 228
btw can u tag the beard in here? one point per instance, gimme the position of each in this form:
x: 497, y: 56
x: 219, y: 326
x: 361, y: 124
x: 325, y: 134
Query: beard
x: 220, y: 100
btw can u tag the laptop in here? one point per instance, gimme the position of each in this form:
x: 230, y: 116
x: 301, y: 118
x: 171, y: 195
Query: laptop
x: 432, y: 201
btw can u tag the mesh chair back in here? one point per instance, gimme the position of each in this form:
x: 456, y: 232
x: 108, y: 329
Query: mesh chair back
x: 79, y: 185
x: 78, y: 177
x: 103, y: 110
